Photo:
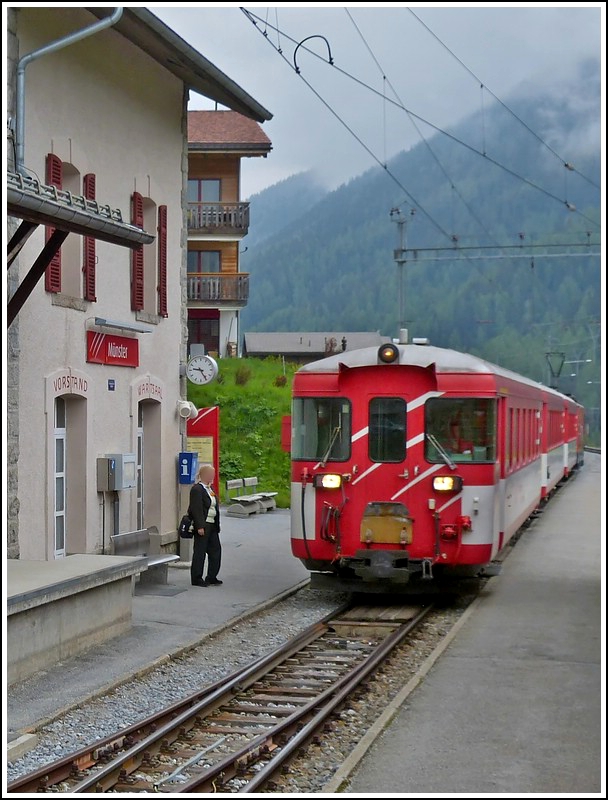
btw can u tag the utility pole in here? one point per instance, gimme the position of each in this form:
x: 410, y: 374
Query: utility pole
x: 400, y: 260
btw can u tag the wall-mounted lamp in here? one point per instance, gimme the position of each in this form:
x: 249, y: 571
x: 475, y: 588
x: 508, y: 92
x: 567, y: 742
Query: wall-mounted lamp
x: 186, y: 409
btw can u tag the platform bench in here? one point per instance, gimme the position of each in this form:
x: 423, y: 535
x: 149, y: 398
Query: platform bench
x: 241, y: 504
x: 138, y: 543
x: 265, y: 498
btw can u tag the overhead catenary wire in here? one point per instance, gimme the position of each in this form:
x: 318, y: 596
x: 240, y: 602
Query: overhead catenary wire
x: 329, y: 60
x: 253, y: 18
x: 483, y: 87
x: 418, y: 131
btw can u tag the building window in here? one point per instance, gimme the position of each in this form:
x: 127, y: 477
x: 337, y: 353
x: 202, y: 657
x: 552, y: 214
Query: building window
x: 204, y: 331
x: 206, y: 190
x: 149, y: 262
x: 204, y: 261
x: 72, y: 270
x: 60, y: 474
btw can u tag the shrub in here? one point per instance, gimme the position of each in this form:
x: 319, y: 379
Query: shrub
x: 280, y: 380
x: 242, y: 375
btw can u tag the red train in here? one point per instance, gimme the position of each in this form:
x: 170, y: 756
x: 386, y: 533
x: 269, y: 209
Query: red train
x: 412, y: 462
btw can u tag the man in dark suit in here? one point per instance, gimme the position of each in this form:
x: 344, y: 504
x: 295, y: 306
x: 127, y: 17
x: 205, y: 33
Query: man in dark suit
x: 204, y: 509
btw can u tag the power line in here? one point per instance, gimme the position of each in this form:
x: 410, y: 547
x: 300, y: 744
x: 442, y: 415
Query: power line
x: 418, y: 131
x: 342, y: 122
x: 565, y: 163
x: 361, y: 83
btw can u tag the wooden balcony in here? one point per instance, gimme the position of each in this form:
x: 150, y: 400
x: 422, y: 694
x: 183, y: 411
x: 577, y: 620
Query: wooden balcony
x: 214, y: 288
x: 218, y: 218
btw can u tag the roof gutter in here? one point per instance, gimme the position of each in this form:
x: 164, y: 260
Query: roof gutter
x: 27, y: 199
x: 72, y: 38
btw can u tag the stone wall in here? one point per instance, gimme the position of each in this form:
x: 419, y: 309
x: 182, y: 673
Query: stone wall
x: 12, y: 372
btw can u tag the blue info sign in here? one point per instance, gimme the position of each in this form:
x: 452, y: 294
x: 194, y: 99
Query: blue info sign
x: 187, y: 465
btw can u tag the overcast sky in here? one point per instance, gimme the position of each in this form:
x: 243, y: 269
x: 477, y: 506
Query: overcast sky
x: 432, y: 59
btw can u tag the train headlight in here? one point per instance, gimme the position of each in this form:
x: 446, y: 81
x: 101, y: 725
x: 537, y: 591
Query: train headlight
x: 447, y: 483
x: 327, y: 481
x: 388, y: 353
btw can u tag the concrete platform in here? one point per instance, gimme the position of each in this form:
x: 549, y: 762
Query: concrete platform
x: 56, y: 609
x: 516, y: 703
x: 257, y: 566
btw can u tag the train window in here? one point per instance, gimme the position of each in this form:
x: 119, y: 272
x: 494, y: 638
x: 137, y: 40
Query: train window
x: 387, y: 429
x: 463, y: 428
x: 321, y: 429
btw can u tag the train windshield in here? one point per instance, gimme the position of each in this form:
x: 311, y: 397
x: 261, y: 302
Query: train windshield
x: 463, y: 429
x: 387, y: 429
x: 321, y: 428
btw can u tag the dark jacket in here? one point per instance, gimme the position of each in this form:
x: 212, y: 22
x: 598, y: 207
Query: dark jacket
x: 199, y: 506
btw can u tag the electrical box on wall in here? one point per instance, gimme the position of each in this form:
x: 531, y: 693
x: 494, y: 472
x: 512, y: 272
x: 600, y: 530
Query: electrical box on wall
x: 116, y: 472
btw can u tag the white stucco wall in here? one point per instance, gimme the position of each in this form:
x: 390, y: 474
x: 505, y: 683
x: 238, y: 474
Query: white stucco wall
x: 109, y: 109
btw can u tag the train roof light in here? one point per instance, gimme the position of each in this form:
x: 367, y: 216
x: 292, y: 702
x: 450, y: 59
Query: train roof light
x: 388, y: 353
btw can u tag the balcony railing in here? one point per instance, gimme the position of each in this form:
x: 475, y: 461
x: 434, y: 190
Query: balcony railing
x: 217, y: 288
x: 218, y: 217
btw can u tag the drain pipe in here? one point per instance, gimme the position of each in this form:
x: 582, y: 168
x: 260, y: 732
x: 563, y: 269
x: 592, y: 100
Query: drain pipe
x: 43, y: 51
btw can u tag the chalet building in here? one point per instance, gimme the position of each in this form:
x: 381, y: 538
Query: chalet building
x: 302, y: 348
x: 98, y: 191
x: 217, y: 222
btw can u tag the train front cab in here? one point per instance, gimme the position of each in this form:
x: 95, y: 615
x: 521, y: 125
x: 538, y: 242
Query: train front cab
x: 391, y: 496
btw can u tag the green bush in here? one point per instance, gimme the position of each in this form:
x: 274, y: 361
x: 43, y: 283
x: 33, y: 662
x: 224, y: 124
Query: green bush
x: 242, y: 375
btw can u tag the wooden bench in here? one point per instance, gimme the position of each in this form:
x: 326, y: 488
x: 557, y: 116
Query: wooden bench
x: 138, y: 543
x: 241, y: 505
x: 265, y: 498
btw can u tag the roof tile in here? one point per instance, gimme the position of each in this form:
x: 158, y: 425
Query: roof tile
x: 229, y: 128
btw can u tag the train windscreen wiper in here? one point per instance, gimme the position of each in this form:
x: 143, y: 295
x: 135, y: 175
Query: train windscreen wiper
x: 332, y: 441
x: 441, y: 450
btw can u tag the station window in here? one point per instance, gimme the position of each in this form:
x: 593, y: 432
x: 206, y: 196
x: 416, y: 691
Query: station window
x: 321, y: 428
x: 464, y: 429
x: 387, y: 438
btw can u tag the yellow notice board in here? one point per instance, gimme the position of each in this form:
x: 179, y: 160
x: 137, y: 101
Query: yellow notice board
x: 203, y: 445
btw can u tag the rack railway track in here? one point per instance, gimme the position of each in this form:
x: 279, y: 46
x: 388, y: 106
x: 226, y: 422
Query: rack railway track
x: 235, y: 735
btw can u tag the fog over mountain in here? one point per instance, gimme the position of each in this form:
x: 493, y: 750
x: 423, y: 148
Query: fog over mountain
x: 325, y: 261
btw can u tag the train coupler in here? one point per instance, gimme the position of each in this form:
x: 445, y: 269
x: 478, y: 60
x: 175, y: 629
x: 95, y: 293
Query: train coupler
x: 427, y: 569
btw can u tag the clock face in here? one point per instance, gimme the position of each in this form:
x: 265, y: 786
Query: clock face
x: 201, y: 369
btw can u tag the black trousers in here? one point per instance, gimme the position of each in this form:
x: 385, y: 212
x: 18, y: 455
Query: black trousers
x: 206, y: 546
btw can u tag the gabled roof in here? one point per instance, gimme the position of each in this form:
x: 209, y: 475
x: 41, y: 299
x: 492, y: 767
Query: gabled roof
x: 226, y: 131
x: 309, y: 344
x: 151, y: 35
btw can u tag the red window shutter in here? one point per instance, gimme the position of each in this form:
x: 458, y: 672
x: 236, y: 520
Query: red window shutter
x: 54, y: 177
x: 89, y: 254
x: 162, y: 261
x: 137, y: 256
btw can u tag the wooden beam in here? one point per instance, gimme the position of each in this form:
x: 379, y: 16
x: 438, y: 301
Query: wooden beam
x: 37, y: 270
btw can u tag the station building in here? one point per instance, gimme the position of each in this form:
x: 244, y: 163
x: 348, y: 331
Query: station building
x: 98, y: 320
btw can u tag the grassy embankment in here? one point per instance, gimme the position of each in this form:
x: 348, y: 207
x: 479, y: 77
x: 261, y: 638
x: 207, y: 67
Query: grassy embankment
x: 253, y: 396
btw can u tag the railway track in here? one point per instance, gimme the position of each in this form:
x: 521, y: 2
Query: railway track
x: 236, y: 735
